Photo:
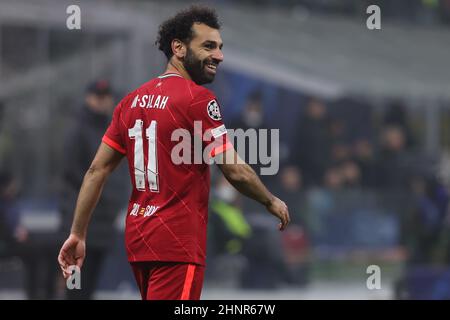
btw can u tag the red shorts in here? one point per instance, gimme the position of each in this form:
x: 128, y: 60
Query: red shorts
x: 168, y: 280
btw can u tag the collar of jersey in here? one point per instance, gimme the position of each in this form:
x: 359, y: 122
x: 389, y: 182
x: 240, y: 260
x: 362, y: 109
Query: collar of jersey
x: 170, y: 74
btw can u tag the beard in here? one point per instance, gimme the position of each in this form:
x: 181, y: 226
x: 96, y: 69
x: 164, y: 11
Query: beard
x: 197, y: 68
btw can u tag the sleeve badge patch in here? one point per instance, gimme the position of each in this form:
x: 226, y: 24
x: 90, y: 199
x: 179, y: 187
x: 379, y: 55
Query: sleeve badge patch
x: 214, y: 110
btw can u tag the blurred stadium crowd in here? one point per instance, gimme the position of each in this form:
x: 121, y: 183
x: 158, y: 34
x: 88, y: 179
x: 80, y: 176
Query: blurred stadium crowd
x: 358, y: 187
x: 364, y: 178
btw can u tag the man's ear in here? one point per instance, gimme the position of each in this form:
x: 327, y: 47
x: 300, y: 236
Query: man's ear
x: 178, y: 48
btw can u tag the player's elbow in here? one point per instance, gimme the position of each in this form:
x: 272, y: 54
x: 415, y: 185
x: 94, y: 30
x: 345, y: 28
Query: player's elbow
x: 96, y: 172
x: 237, y: 173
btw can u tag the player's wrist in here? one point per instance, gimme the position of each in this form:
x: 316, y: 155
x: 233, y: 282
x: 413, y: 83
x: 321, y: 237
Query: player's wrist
x: 79, y: 235
x: 269, y: 201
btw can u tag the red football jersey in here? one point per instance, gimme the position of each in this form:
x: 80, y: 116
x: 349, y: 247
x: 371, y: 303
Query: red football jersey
x: 168, y: 208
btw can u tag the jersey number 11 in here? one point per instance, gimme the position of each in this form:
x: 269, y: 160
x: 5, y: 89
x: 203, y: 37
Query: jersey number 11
x: 152, y: 163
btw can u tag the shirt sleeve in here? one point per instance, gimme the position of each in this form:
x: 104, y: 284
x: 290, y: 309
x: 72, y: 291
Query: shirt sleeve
x: 113, y: 135
x: 205, y: 113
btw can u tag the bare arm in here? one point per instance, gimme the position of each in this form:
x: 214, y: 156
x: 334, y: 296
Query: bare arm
x: 246, y: 181
x: 73, y: 250
x: 105, y: 161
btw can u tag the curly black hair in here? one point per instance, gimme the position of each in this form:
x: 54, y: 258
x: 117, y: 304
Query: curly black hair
x: 180, y: 26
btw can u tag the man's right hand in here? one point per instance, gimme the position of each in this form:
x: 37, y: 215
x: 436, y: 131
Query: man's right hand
x: 280, y: 210
x: 72, y: 253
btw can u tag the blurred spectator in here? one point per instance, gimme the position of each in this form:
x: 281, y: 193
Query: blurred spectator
x: 425, y: 235
x: 295, y: 240
x: 341, y: 155
x: 296, y: 250
x: 397, y: 116
x: 12, y: 233
x: 337, y: 131
x: 252, y: 117
x: 333, y: 178
x: 81, y: 144
x: 16, y: 240
x: 228, y: 231
x: 311, y: 151
x: 392, y: 167
x: 364, y: 154
x: 426, y: 225
x: 289, y: 186
x: 265, y: 266
x: 340, y: 152
x: 351, y: 174
x: 229, y: 228
x: 252, y: 113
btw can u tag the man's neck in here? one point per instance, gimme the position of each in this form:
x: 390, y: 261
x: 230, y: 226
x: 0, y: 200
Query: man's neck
x: 177, y: 67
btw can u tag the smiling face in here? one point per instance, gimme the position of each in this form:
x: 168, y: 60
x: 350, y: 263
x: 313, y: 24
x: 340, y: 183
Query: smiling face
x: 203, y: 54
